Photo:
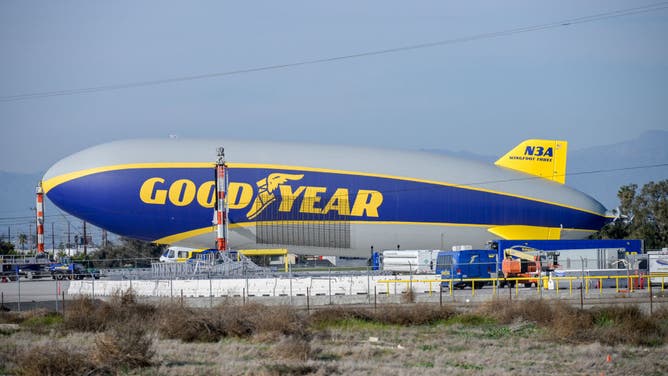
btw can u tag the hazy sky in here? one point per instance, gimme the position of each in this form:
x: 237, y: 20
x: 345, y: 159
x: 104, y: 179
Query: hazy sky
x: 591, y: 83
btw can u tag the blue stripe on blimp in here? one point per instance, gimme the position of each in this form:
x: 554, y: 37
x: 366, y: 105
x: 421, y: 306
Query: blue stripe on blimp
x: 152, y: 203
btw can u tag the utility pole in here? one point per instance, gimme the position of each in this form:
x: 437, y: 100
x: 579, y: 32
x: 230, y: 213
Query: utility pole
x: 30, y: 237
x: 85, y: 240
x: 39, y: 211
x: 53, y: 240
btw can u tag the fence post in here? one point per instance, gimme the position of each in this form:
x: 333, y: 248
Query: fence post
x: 63, y: 301
x: 374, y: 298
x: 18, y: 281
x: 368, y: 285
x: 308, y: 303
x: 329, y: 278
x: 440, y: 295
x: 582, y: 287
x: 290, y: 289
x: 651, y: 298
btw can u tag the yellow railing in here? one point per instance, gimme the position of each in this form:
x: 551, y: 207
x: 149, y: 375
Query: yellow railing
x: 543, y: 285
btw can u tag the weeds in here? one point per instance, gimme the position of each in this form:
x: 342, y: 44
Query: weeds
x: 608, y: 325
x: 52, y: 358
x: 124, y: 347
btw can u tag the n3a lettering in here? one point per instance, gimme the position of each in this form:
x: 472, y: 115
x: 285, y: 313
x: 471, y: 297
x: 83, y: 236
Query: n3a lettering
x: 539, y: 151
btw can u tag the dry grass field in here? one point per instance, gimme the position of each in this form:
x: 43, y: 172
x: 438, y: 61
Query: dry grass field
x: 538, y: 337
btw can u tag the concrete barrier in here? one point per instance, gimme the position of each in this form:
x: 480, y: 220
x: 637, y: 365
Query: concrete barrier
x: 297, y: 286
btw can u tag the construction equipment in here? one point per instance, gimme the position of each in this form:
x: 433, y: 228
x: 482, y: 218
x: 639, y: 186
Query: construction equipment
x: 527, y: 262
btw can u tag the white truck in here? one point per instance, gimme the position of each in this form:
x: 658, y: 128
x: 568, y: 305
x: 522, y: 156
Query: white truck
x: 658, y: 266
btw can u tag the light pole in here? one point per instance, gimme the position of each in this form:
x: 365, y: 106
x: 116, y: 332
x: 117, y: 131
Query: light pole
x: 628, y: 273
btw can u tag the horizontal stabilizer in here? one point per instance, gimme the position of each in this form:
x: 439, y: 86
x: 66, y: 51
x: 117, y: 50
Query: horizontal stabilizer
x: 516, y: 232
x: 544, y: 158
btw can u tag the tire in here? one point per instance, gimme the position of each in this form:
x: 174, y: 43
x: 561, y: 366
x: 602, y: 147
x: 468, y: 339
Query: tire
x: 528, y: 284
x: 60, y: 276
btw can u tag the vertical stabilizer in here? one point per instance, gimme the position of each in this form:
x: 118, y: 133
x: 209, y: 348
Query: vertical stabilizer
x: 544, y: 158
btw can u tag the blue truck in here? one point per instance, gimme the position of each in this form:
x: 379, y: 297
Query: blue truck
x: 466, y: 264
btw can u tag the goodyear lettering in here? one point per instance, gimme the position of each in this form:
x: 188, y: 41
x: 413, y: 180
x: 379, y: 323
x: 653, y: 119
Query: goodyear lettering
x: 239, y: 195
x: 289, y: 197
x: 150, y: 195
x: 182, y: 192
x: 339, y: 202
x: 312, y: 199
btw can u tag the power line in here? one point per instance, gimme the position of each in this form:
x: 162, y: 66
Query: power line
x: 563, y: 23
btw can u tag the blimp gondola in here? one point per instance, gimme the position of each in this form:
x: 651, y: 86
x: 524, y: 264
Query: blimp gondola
x: 322, y: 199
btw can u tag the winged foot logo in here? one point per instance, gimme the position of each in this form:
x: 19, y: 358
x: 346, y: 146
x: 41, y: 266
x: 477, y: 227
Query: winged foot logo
x: 279, y: 188
x: 265, y: 191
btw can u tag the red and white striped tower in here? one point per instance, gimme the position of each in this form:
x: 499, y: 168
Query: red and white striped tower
x: 221, y: 201
x: 40, y: 218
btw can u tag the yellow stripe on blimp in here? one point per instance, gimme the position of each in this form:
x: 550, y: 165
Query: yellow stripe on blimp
x: 517, y: 232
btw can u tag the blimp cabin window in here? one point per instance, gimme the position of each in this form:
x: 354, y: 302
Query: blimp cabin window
x: 182, y: 254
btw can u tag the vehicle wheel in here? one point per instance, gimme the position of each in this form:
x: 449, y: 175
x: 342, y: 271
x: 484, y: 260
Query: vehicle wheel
x: 60, y: 277
x: 479, y: 285
x: 70, y: 277
x: 96, y: 277
x: 528, y: 284
x: 511, y: 284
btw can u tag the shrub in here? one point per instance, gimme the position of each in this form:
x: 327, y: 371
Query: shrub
x: 626, y: 324
x: 52, y: 358
x: 88, y: 315
x: 188, y: 324
x: 406, y: 315
x: 123, y: 347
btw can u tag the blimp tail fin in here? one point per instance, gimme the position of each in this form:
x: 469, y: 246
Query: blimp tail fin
x: 544, y: 158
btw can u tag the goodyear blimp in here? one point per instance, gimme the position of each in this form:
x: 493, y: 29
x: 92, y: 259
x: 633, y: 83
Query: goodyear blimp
x: 322, y: 199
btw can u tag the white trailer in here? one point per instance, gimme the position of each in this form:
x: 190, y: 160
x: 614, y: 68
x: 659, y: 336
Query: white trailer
x: 420, y: 261
x: 657, y: 263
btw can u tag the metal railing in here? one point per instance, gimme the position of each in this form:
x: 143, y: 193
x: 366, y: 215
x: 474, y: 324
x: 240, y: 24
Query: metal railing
x: 635, y: 281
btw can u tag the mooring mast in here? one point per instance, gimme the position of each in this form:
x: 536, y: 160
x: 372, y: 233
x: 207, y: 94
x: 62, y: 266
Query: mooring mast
x: 221, y: 201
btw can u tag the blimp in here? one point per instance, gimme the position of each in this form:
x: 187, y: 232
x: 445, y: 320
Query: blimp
x: 322, y: 199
